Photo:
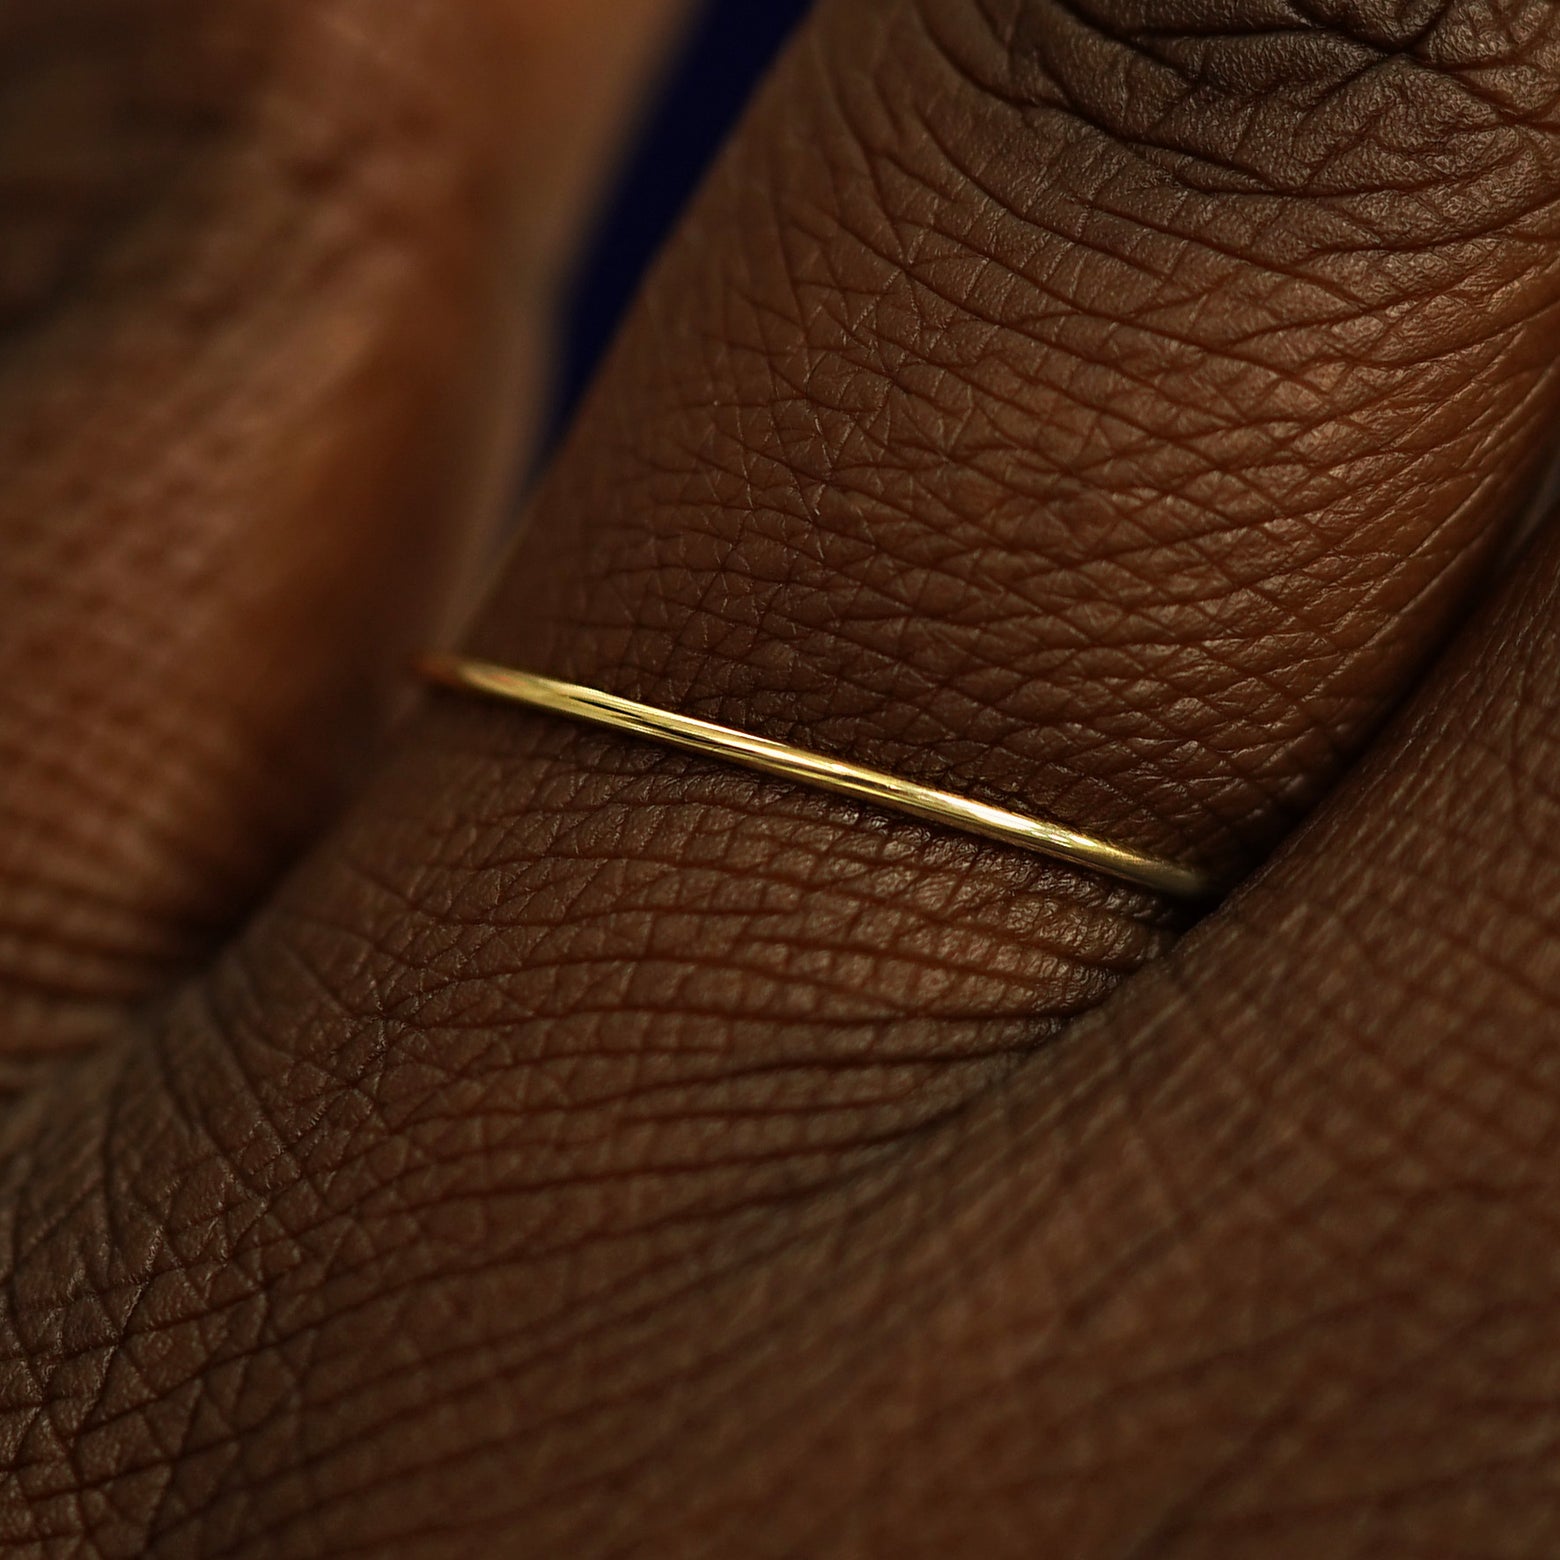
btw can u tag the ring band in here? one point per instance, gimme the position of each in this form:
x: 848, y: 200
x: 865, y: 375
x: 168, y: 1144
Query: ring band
x: 780, y: 759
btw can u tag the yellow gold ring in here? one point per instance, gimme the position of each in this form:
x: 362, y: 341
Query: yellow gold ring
x: 836, y: 775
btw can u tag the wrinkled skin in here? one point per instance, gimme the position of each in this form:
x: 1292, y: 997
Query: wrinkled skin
x: 1115, y: 407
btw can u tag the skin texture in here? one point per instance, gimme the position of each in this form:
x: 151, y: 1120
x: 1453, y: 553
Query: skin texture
x: 1112, y: 408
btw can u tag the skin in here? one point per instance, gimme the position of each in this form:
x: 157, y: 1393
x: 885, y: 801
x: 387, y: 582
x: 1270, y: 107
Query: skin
x: 1118, y: 409
x: 275, y: 295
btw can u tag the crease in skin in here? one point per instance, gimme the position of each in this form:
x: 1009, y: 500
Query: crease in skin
x: 1313, y: 112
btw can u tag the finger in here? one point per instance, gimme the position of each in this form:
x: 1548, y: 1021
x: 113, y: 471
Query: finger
x: 1079, y: 486
x: 977, y: 429
x: 276, y: 285
x: 1259, y: 1261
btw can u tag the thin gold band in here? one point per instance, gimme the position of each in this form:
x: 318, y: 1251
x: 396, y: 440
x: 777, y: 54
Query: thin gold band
x: 812, y: 769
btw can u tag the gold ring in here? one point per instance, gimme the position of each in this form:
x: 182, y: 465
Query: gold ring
x: 837, y: 775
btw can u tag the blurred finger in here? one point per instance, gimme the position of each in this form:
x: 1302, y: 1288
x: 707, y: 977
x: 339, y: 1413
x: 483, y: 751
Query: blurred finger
x: 277, y: 282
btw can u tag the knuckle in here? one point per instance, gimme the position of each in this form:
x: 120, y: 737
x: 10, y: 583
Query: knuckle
x: 1330, y: 99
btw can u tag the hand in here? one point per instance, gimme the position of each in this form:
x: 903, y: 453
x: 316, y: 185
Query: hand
x: 591, y: 1151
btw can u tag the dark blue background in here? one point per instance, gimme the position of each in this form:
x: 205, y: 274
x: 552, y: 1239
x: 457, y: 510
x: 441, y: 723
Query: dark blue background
x: 727, y: 51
